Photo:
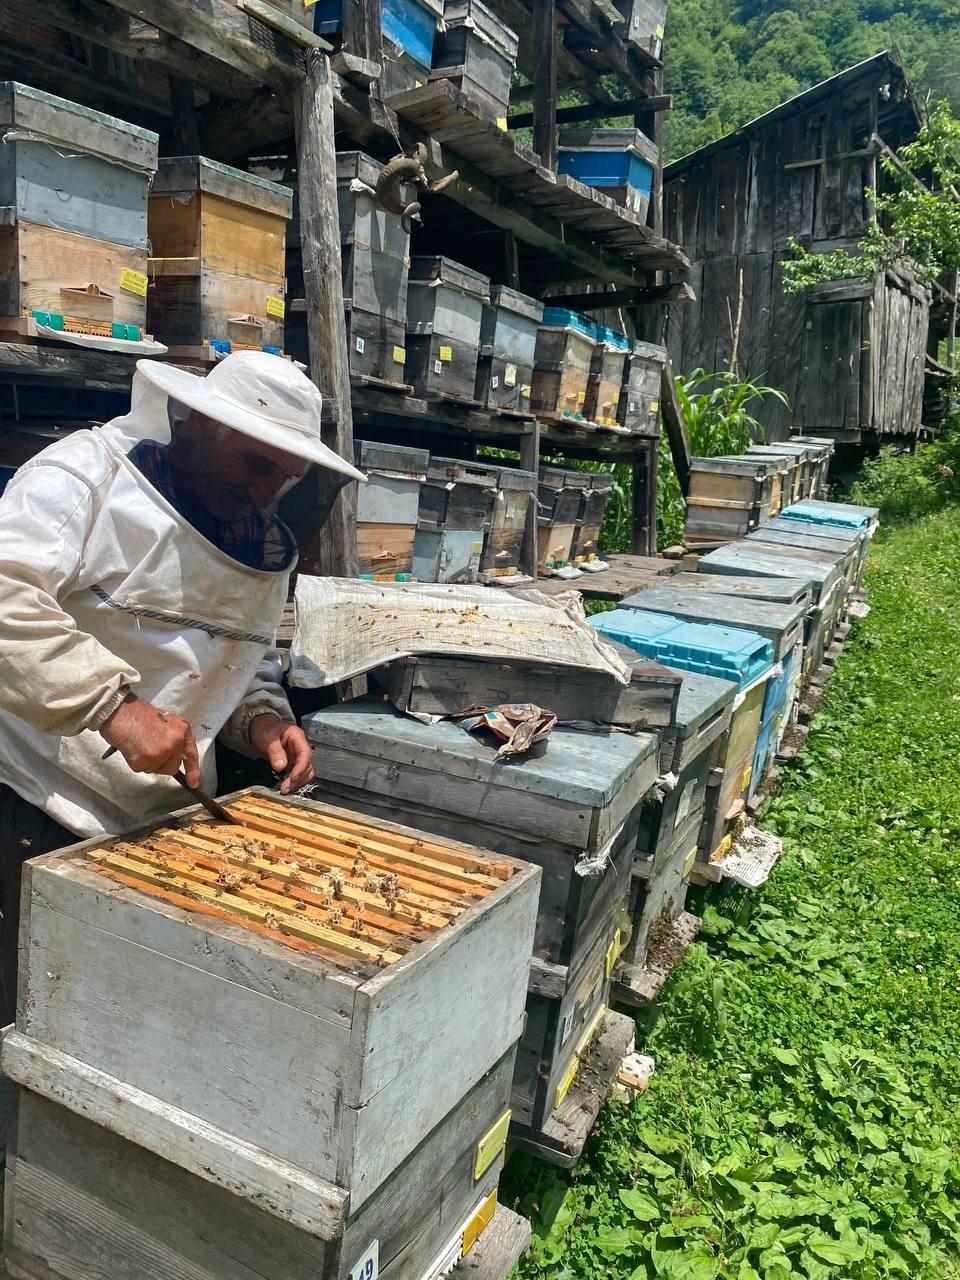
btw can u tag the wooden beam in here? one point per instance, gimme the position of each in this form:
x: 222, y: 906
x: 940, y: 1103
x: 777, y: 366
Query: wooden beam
x: 643, y: 525
x: 530, y: 461
x: 186, y: 134
x: 333, y: 548
x: 228, y: 35
x: 641, y: 296
x: 362, y: 32
x: 675, y: 427
x: 597, y: 110
x: 590, y: 32
x: 571, y: 73
x: 545, y: 82
x: 230, y: 130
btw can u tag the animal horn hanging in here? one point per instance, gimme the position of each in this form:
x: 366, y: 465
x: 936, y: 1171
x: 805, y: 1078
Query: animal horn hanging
x: 405, y: 169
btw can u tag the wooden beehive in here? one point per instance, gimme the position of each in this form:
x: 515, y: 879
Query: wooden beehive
x: 445, y: 302
x: 586, y: 543
x: 456, y: 507
x: 643, y: 23
x: 375, y: 253
x: 387, y: 507
x: 73, y: 239
x: 563, y: 357
x: 606, y: 377
x: 217, y: 268
x: 508, y: 341
x: 261, y: 981
x: 477, y: 52
x: 622, y: 163
x: 503, y: 541
x: 407, y: 31
x: 571, y: 805
x: 639, y: 405
x: 728, y: 497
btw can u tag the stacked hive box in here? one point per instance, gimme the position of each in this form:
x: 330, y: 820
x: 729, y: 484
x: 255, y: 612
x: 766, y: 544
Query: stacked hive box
x: 375, y: 255
x: 477, y: 52
x: 639, y: 407
x: 564, y: 354
x: 217, y: 1057
x: 621, y: 163
x: 408, y: 28
x: 573, y: 809
x: 503, y: 543
x: 445, y: 304
x: 605, y: 384
x: 456, y: 507
x: 387, y: 508
x: 799, y: 463
x: 741, y: 656
x: 560, y: 498
x: 508, y: 341
x: 592, y: 506
x: 73, y: 239
x: 823, y: 448
x: 668, y: 837
x: 643, y: 22
x: 728, y: 497
x: 845, y: 514
x: 218, y: 261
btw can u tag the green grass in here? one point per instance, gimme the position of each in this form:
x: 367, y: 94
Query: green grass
x: 805, y: 1114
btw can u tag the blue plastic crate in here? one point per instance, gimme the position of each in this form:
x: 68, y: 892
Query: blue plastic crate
x: 725, y: 652
x: 608, y: 168
x: 837, y: 513
x: 561, y: 318
x: 612, y: 338
x: 405, y: 22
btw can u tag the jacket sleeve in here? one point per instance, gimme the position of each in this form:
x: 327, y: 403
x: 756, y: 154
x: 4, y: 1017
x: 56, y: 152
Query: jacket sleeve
x: 52, y: 675
x: 263, y: 695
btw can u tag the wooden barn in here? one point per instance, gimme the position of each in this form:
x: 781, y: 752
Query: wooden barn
x: 849, y: 355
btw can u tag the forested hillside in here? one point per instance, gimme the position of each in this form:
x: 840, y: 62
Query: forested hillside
x: 730, y: 60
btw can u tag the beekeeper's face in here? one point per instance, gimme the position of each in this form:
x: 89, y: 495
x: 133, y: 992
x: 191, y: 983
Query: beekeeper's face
x: 230, y: 473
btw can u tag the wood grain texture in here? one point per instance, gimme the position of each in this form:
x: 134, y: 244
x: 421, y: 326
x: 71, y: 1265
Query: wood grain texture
x: 50, y: 261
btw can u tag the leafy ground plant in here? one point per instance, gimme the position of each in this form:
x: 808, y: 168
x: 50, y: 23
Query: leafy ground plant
x: 802, y: 1122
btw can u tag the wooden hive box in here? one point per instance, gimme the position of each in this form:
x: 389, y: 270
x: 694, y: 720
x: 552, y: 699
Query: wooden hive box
x: 587, y: 539
x: 508, y: 342
x: 445, y: 304
x: 456, y: 507
x: 477, y: 52
x: 571, y: 805
x: 795, y: 471
x: 503, y: 541
x: 823, y: 447
x: 831, y: 536
x: 256, y: 997
x: 217, y: 268
x: 728, y: 497
x: 564, y: 354
x: 73, y: 220
x: 387, y: 507
x: 606, y: 377
x: 667, y: 840
x: 407, y: 29
x: 622, y: 163
x: 639, y: 404
x: 780, y: 590
x: 375, y: 266
x: 436, y: 685
x: 643, y: 24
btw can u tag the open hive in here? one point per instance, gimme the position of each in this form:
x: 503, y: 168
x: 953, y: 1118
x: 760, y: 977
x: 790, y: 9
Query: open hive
x: 354, y: 892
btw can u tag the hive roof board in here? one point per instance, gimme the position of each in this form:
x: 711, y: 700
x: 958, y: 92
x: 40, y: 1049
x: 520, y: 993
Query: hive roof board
x: 781, y: 624
x: 759, y: 559
x: 845, y: 513
x: 725, y: 652
x: 780, y: 590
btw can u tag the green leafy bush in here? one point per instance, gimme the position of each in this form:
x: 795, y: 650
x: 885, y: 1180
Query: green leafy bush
x: 905, y: 486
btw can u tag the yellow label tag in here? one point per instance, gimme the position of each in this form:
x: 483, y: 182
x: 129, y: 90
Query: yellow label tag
x: 722, y: 848
x: 275, y: 307
x: 502, y: 123
x: 399, y: 355
x: 654, y: 406
x: 490, y: 1145
x: 659, y: 33
x: 581, y: 396
x: 563, y: 1088
x: 747, y: 775
x: 525, y: 391
x: 479, y: 1222
x: 446, y: 353
x: 133, y: 282
x: 612, y: 952
x: 689, y: 860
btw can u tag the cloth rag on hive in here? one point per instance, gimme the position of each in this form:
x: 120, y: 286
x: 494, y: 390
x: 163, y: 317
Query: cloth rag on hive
x: 346, y: 626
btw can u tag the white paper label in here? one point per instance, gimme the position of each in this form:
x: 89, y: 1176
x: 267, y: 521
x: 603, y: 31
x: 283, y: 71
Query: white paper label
x: 685, y: 801
x: 494, y: 382
x: 633, y: 406
x: 368, y: 1268
x: 510, y: 376
x: 359, y: 345
x: 437, y: 366
x: 566, y: 1027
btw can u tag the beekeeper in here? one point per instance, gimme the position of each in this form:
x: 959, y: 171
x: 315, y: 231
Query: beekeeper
x: 143, y: 572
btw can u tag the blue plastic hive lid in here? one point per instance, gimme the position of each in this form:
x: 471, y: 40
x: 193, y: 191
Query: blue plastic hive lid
x: 561, y: 318
x: 607, y: 168
x: 834, y: 513
x: 728, y: 653
x: 612, y: 338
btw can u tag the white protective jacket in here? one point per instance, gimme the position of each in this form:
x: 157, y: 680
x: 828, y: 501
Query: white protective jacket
x: 104, y: 585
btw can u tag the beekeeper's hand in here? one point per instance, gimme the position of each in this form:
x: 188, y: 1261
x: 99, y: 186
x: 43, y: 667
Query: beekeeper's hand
x: 285, y: 748
x: 152, y: 740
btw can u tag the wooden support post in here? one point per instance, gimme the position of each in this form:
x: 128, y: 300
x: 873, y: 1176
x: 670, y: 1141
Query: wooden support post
x: 643, y: 528
x: 361, y: 29
x: 530, y: 461
x: 650, y: 122
x: 331, y: 548
x: 545, y: 42
x: 675, y: 427
x: 186, y: 131
x: 511, y: 261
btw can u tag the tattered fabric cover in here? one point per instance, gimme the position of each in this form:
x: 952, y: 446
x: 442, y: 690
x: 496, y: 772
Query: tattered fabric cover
x: 345, y: 626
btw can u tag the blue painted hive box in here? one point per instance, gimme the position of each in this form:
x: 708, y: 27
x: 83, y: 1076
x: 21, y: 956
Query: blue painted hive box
x: 409, y: 28
x: 725, y: 652
x: 839, y: 513
x: 620, y: 162
x: 73, y: 192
